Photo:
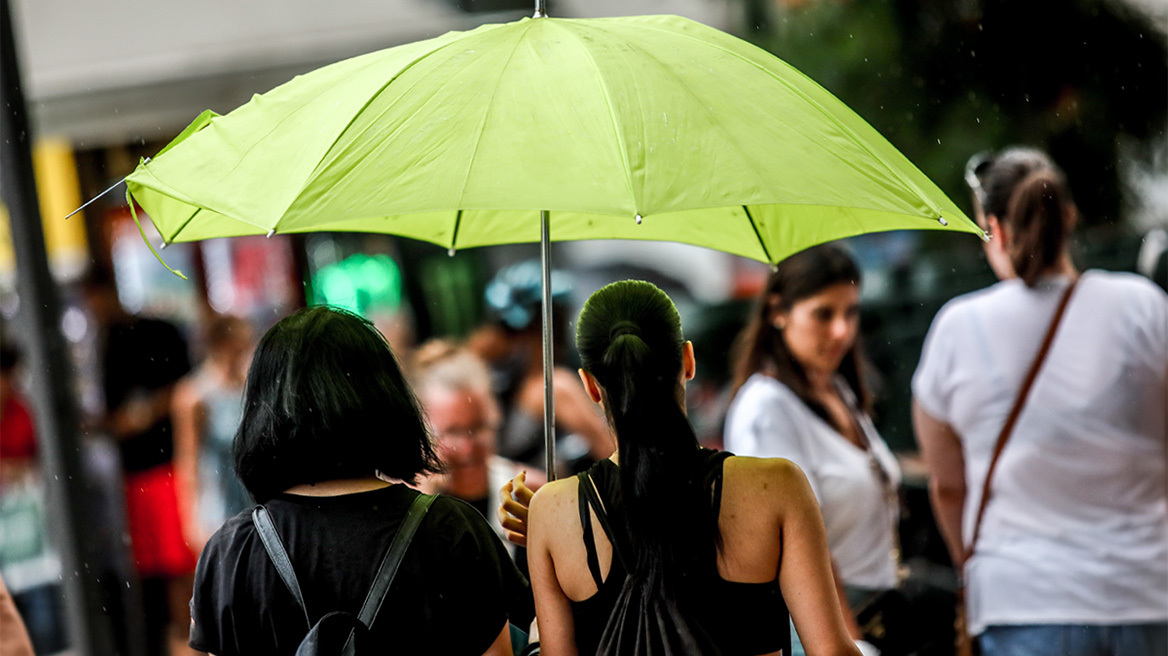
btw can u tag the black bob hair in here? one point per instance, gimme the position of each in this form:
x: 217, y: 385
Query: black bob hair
x: 326, y: 400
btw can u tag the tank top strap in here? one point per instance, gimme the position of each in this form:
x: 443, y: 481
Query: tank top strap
x: 714, y: 461
x: 586, y: 525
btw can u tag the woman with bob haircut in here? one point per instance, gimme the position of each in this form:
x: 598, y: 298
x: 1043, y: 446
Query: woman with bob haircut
x: 1041, y: 407
x: 723, y: 544
x: 328, y: 422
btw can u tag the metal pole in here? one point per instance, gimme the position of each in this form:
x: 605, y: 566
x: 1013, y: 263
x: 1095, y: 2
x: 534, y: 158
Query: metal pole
x: 540, y: 9
x: 52, y: 389
x: 549, y: 404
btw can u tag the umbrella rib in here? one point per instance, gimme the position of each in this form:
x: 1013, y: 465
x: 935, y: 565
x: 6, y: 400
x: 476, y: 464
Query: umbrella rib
x: 713, y: 117
x: 811, y: 101
x: 454, y: 235
x: 624, y: 152
x: 486, y: 115
x: 185, y: 224
x: 761, y: 243
x: 337, y: 137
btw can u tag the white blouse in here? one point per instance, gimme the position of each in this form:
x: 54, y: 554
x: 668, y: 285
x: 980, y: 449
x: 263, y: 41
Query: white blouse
x: 1076, y: 530
x: 767, y: 420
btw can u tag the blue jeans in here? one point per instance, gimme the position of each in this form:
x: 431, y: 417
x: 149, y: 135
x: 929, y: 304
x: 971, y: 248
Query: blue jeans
x: 1075, y: 640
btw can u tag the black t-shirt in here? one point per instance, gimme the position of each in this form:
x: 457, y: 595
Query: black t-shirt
x: 455, y: 588
x: 142, y: 357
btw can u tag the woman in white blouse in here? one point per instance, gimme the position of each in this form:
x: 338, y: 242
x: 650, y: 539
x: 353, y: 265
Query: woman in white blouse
x: 1072, y: 552
x: 800, y: 395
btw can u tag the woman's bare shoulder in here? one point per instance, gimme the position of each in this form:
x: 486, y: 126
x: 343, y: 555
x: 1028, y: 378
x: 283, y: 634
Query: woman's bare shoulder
x: 554, y: 498
x: 764, y: 473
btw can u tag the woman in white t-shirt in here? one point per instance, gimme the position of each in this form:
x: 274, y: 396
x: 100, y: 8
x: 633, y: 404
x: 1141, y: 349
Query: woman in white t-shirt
x: 1072, y: 554
x: 800, y: 395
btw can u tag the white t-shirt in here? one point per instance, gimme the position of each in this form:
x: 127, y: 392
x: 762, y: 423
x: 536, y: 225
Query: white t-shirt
x: 1076, y: 530
x: 767, y: 420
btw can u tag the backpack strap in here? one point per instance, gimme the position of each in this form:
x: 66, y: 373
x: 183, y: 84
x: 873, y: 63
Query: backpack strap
x: 275, y: 548
x: 381, y: 582
x: 393, y: 558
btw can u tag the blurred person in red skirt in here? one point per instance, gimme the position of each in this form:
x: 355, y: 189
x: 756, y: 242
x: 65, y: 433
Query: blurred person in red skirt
x: 142, y: 359
x: 28, y: 562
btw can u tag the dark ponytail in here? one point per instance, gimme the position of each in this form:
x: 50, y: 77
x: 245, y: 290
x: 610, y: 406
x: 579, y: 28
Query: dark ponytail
x: 1039, y: 216
x: 1026, y: 191
x: 629, y: 338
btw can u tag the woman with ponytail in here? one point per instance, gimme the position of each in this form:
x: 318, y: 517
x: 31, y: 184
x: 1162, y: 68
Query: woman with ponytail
x: 667, y: 547
x: 1041, y: 408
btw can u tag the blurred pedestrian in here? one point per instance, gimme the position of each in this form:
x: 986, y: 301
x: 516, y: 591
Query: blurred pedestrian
x: 512, y: 347
x: 800, y: 394
x: 328, y: 421
x: 1040, y: 408
x: 678, y: 546
x: 207, y: 407
x: 142, y: 360
x: 454, y: 387
x: 28, y: 561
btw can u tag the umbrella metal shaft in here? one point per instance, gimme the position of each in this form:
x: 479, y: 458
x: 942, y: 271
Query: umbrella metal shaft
x: 549, y: 408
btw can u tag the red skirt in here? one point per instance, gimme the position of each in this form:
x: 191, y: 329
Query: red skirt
x: 156, y: 532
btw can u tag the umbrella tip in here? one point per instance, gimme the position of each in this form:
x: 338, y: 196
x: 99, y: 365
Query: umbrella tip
x: 638, y: 218
x: 271, y: 232
x: 942, y: 221
x: 450, y: 251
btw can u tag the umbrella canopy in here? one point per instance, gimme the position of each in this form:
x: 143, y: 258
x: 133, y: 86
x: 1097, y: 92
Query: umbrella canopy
x: 653, y: 127
x: 544, y: 129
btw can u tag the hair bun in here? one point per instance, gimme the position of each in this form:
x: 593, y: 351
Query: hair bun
x: 625, y: 327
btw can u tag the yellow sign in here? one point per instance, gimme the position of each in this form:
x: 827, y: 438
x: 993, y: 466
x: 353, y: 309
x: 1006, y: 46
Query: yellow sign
x: 59, y: 193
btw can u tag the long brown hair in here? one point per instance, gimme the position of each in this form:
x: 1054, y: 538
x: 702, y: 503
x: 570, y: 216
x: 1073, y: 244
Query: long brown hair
x: 761, y: 348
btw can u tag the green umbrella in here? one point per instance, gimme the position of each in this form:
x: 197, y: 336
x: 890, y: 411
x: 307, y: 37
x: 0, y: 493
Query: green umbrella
x: 653, y: 127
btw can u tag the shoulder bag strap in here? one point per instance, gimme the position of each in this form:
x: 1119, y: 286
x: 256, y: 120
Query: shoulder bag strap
x: 1012, y: 418
x: 275, y: 548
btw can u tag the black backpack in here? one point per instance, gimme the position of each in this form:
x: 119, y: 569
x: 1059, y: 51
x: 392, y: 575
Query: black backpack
x: 340, y: 632
x: 641, y: 623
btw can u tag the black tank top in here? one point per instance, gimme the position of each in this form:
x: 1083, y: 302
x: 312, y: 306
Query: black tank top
x: 744, y: 619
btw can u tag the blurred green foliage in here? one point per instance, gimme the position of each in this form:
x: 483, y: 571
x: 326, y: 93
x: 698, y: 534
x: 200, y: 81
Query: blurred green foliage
x: 943, y: 79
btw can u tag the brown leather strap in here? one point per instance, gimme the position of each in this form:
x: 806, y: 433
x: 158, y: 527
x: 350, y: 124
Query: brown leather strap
x: 1012, y: 418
